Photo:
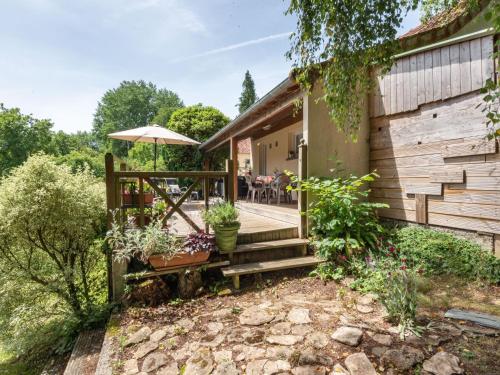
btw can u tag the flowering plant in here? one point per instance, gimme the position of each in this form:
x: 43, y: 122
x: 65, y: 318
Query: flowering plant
x: 199, y: 241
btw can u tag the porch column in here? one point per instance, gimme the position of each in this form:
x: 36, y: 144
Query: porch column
x: 302, y: 196
x: 234, y: 160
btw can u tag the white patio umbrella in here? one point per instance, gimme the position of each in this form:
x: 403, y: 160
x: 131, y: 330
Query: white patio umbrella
x: 153, y: 134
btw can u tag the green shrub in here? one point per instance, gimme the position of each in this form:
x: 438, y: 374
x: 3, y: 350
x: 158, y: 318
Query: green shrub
x: 221, y: 215
x: 443, y: 253
x: 343, y: 221
x: 52, y: 269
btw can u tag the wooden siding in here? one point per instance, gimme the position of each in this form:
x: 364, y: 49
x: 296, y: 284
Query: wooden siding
x: 435, y: 165
x: 432, y: 76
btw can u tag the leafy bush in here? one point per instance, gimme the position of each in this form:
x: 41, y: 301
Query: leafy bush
x: 221, y: 215
x: 142, y: 243
x: 199, y: 241
x: 343, y: 221
x: 51, y: 264
x: 443, y: 253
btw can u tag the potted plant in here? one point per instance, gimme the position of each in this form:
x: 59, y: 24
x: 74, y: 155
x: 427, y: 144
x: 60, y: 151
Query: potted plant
x: 223, y: 218
x: 155, y: 246
x: 148, y: 194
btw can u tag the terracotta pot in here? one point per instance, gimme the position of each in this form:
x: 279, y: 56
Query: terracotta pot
x: 127, y: 199
x: 147, y: 219
x: 158, y: 262
x: 148, y: 198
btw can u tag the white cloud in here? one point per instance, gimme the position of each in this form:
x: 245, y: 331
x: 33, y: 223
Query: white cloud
x: 235, y: 46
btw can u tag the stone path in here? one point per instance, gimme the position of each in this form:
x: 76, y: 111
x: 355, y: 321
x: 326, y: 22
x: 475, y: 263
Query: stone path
x: 270, y: 332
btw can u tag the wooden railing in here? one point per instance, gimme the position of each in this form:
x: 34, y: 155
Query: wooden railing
x: 115, y: 181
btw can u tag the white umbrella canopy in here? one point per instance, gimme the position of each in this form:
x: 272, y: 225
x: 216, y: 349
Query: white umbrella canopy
x: 153, y: 134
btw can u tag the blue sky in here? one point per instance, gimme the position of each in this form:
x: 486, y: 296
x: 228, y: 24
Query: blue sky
x: 58, y: 57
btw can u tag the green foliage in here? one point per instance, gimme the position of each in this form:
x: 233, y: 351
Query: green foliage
x: 248, y: 95
x: 221, y: 215
x: 400, y: 300
x: 443, y: 253
x: 338, y: 42
x: 196, y: 122
x: 85, y: 158
x: 491, y: 100
x: 328, y: 271
x: 141, y: 157
x: 20, y: 136
x: 52, y: 269
x: 432, y: 7
x: 131, y: 105
x: 142, y: 243
x: 343, y: 221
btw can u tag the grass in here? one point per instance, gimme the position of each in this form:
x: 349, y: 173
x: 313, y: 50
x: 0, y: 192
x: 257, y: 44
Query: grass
x: 445, y: 292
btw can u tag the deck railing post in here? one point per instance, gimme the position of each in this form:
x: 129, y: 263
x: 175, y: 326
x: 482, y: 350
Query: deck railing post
x: 141, y: 202
x: 230, y: 183
x: 302, y: 196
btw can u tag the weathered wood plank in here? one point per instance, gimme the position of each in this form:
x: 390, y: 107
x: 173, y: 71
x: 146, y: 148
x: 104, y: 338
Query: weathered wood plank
x: 476, y: 64
x: 386, y: 100
x: 484, y: 211
x: 445, y: 73
x: 421, y: 78
x: 448, y: 175
x: 429, y: 83
x: 392, y: 213
x: 485, y: 320
x: 465, y: 75
x: 496, y: 245
x: 486, y: 58
x: 478, y: 183
x: 424, y: 188
x: 436, y: 74
x: 421, y: 208
x: 85, y: 354
x: 455, y: 69
x: 394, y: 89
x: 413, y: 83
x: 381, y: 92
x: 451, y: 221
x: 406, y: 84
x: 479, y: 147
x: 399, y: 87
x: 435, y: 160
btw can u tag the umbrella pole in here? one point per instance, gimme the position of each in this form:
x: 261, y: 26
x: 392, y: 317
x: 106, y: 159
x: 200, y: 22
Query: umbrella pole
x: 155, y: 157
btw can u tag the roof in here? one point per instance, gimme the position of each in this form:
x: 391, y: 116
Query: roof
x: 442, y: 25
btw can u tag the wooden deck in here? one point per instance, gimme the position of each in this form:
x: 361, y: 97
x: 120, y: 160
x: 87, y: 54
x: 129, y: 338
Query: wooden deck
x: 252, y: 220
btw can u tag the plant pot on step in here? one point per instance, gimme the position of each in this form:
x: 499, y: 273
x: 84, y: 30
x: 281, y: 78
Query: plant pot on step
x: 160, y: 262
x: 226, y: 237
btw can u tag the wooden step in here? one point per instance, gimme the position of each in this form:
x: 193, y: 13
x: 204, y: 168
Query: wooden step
x: 270, y: 235
x: 274, y: 265
x: 269, y: 245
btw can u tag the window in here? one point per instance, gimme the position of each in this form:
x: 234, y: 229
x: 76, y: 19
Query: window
x: 293, y: 145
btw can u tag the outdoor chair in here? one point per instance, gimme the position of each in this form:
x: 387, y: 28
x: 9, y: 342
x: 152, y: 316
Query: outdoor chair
x: 280, y: 185
x: 254, y: 187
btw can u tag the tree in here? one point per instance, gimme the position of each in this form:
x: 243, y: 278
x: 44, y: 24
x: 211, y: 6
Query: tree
x: 51, y: 217
x: 338, y: 42
x: 197, y: 122
x: 20, y: 136
x: 131, y: 105
x: 248, y: 96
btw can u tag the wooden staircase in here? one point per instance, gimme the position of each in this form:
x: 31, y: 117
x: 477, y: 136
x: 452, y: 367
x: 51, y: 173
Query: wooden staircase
x: 269, y: 251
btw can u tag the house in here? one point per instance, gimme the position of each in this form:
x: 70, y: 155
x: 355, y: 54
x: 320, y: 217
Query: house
x: 422, y: 129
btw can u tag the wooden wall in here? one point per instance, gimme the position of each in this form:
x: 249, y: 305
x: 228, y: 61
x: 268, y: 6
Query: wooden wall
x: 427, y: 142
x: 436, y: 74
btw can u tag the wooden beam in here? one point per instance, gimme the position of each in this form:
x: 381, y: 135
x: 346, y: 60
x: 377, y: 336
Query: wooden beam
x: 233, y: 155
x: 496, y: 245
x: 141, y: 202
x: 302, y: 196
x: 192, y: 174
x: 230, y: 185
x: 421, y: 208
